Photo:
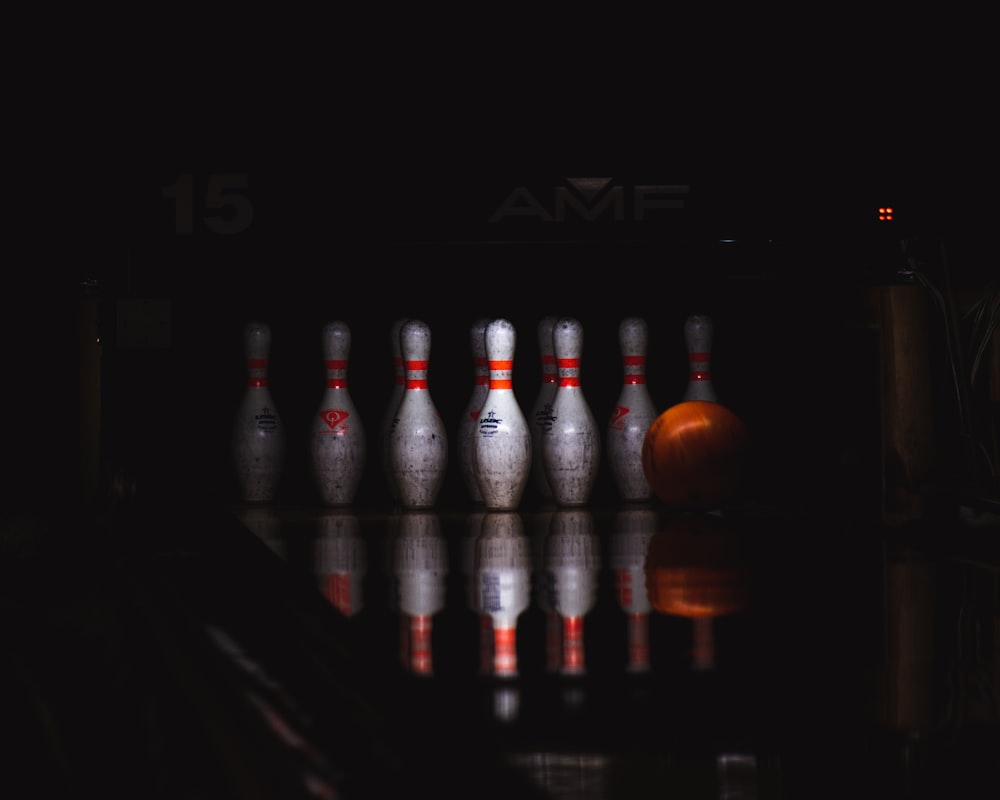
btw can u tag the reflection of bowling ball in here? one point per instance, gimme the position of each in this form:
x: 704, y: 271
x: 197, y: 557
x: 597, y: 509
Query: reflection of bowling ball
x: 694, y: 568
x: 693, y: 455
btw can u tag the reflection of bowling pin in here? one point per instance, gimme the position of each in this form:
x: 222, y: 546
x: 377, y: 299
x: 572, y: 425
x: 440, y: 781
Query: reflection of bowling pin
x: 571, y: 445
x: 468, y: 426
x: 634, y: 527
x: 418, y: 444
x: 420, y: 568
x: 698, y: 337
x: 389, y: 417
x: 633, y: 414
x: 340, y: 561
x: 541, y: 411
x: 337, y: 440
x: 258, y: 433
x: 503, y: 583
x: 502, y: 449
x: 572, y: 561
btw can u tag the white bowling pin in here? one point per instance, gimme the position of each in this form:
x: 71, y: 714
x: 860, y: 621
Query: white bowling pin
x: 418, y: 443
x: 468, y: 426
x: 698, y: 332
x: 337, y: 443
x: 258, y: 433
x: 571, y: 444
x: 395, y: 396
x: 503, y: 583
x: 502, y: 449
x: 633, y: 414
x: 541, y: 411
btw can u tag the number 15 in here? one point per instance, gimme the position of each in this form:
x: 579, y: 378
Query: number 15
x: 221, y: 193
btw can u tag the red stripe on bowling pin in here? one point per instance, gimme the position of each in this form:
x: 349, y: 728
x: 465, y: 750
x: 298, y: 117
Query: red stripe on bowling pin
x: 550, y: 371
x: 500, y: 374
x: 416, y: 375
x: 257, y: 369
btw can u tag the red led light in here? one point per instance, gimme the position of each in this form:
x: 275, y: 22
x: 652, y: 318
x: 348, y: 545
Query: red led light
x: 885, y: 213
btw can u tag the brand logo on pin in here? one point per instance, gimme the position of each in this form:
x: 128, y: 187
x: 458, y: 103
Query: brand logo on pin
x: 266, y: 420
x: 618, y: 417
x: 334, y: 417
x: 488, y: 425
x: 545, y: 418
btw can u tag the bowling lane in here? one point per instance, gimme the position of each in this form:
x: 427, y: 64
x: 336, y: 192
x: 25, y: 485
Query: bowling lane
x: 609, y: 652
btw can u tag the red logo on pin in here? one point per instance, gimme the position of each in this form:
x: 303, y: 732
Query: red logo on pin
x: 334, y: 417
x: 618, y: 417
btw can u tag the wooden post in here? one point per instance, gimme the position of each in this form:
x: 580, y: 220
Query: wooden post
x: 908, y: 439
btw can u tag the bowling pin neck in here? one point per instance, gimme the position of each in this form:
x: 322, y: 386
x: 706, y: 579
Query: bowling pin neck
x: 336, y: 349
x: 415, y: 348
x: 545, y: 348
x: 257, y: 340
x: 477, y: 343
x: 633, y: 338
x: 336, y: 341
x: 698, y: 331
x: 567, y: 341
x: 257, y: 346
x: 500, y: 342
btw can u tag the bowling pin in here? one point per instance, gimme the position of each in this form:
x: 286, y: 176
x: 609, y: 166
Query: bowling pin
x: 337, y: 443
x: 395, y: 396
x: 571, y: 444
x: 698, y: 332
x: 258, y: 433
x: 469, y: 424
x: 418, y: 442
x: 633, y: 414
x: 541, y: 411
x: 502, y: 448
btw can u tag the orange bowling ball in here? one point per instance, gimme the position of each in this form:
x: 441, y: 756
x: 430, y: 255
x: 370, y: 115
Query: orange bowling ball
x: 693, y: 455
